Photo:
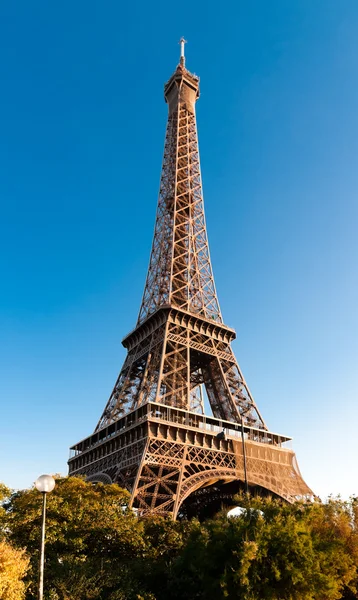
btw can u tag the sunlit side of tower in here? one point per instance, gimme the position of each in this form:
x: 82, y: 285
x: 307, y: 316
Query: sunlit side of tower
x: 153, y: 436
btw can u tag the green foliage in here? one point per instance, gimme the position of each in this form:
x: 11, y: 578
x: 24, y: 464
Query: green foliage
x: 253, y: 557
x: 5, y: 492
x: 89, y: 531
x: 97, y: 549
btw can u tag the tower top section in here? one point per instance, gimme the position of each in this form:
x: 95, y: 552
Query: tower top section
x: 183, y: 86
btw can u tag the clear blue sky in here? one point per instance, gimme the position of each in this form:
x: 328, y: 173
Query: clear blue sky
x: 82, y: 122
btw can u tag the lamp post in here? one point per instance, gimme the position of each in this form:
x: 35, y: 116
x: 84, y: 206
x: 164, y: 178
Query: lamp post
x: 243, y: 414
x: 44, y: 484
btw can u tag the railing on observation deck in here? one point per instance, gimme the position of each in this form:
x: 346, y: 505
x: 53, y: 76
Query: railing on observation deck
x: 153, y: 411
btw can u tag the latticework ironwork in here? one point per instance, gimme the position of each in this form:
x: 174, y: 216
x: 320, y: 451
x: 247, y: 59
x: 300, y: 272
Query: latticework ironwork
x: 179, y: 347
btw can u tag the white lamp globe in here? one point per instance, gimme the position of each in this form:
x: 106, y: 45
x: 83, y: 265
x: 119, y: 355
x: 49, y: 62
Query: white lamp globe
x: 45, y: 483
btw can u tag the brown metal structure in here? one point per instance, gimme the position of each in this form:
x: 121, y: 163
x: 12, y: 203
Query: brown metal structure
x: 153, y: 437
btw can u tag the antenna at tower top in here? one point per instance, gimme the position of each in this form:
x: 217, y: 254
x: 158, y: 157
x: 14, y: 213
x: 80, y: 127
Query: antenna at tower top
x: 182, y: 43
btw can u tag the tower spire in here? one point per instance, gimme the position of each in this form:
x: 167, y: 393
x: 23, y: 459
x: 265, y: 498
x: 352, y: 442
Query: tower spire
x: 182, y: 43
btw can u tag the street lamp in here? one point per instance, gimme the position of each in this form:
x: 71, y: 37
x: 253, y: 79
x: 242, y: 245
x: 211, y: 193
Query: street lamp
x: 44, y: 484
x: 243, y: 414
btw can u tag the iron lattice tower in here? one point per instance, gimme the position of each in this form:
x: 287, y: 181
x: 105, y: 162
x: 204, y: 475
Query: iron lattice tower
x: 153, y: 437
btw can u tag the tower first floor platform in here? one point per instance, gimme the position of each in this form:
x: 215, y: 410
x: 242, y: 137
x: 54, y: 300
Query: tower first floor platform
x: 175, y: 462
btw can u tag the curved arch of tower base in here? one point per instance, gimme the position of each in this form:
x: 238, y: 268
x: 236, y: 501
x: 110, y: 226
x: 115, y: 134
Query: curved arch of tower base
x: 168, y: 459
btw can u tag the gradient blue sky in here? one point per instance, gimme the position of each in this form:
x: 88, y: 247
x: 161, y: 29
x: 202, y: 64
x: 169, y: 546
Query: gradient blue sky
x: 82, y: 123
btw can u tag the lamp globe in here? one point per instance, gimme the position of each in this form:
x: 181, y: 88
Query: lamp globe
x: 45, y: 483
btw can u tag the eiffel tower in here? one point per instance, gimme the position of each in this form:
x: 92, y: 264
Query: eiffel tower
x: 154, y: 437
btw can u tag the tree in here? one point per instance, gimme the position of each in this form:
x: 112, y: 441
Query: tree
x: 13, y: 567
x: 4, y: 494
x: 164, y: 541
x: 91, y: 536
x: 273, y: 551
x: 97, y: 549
